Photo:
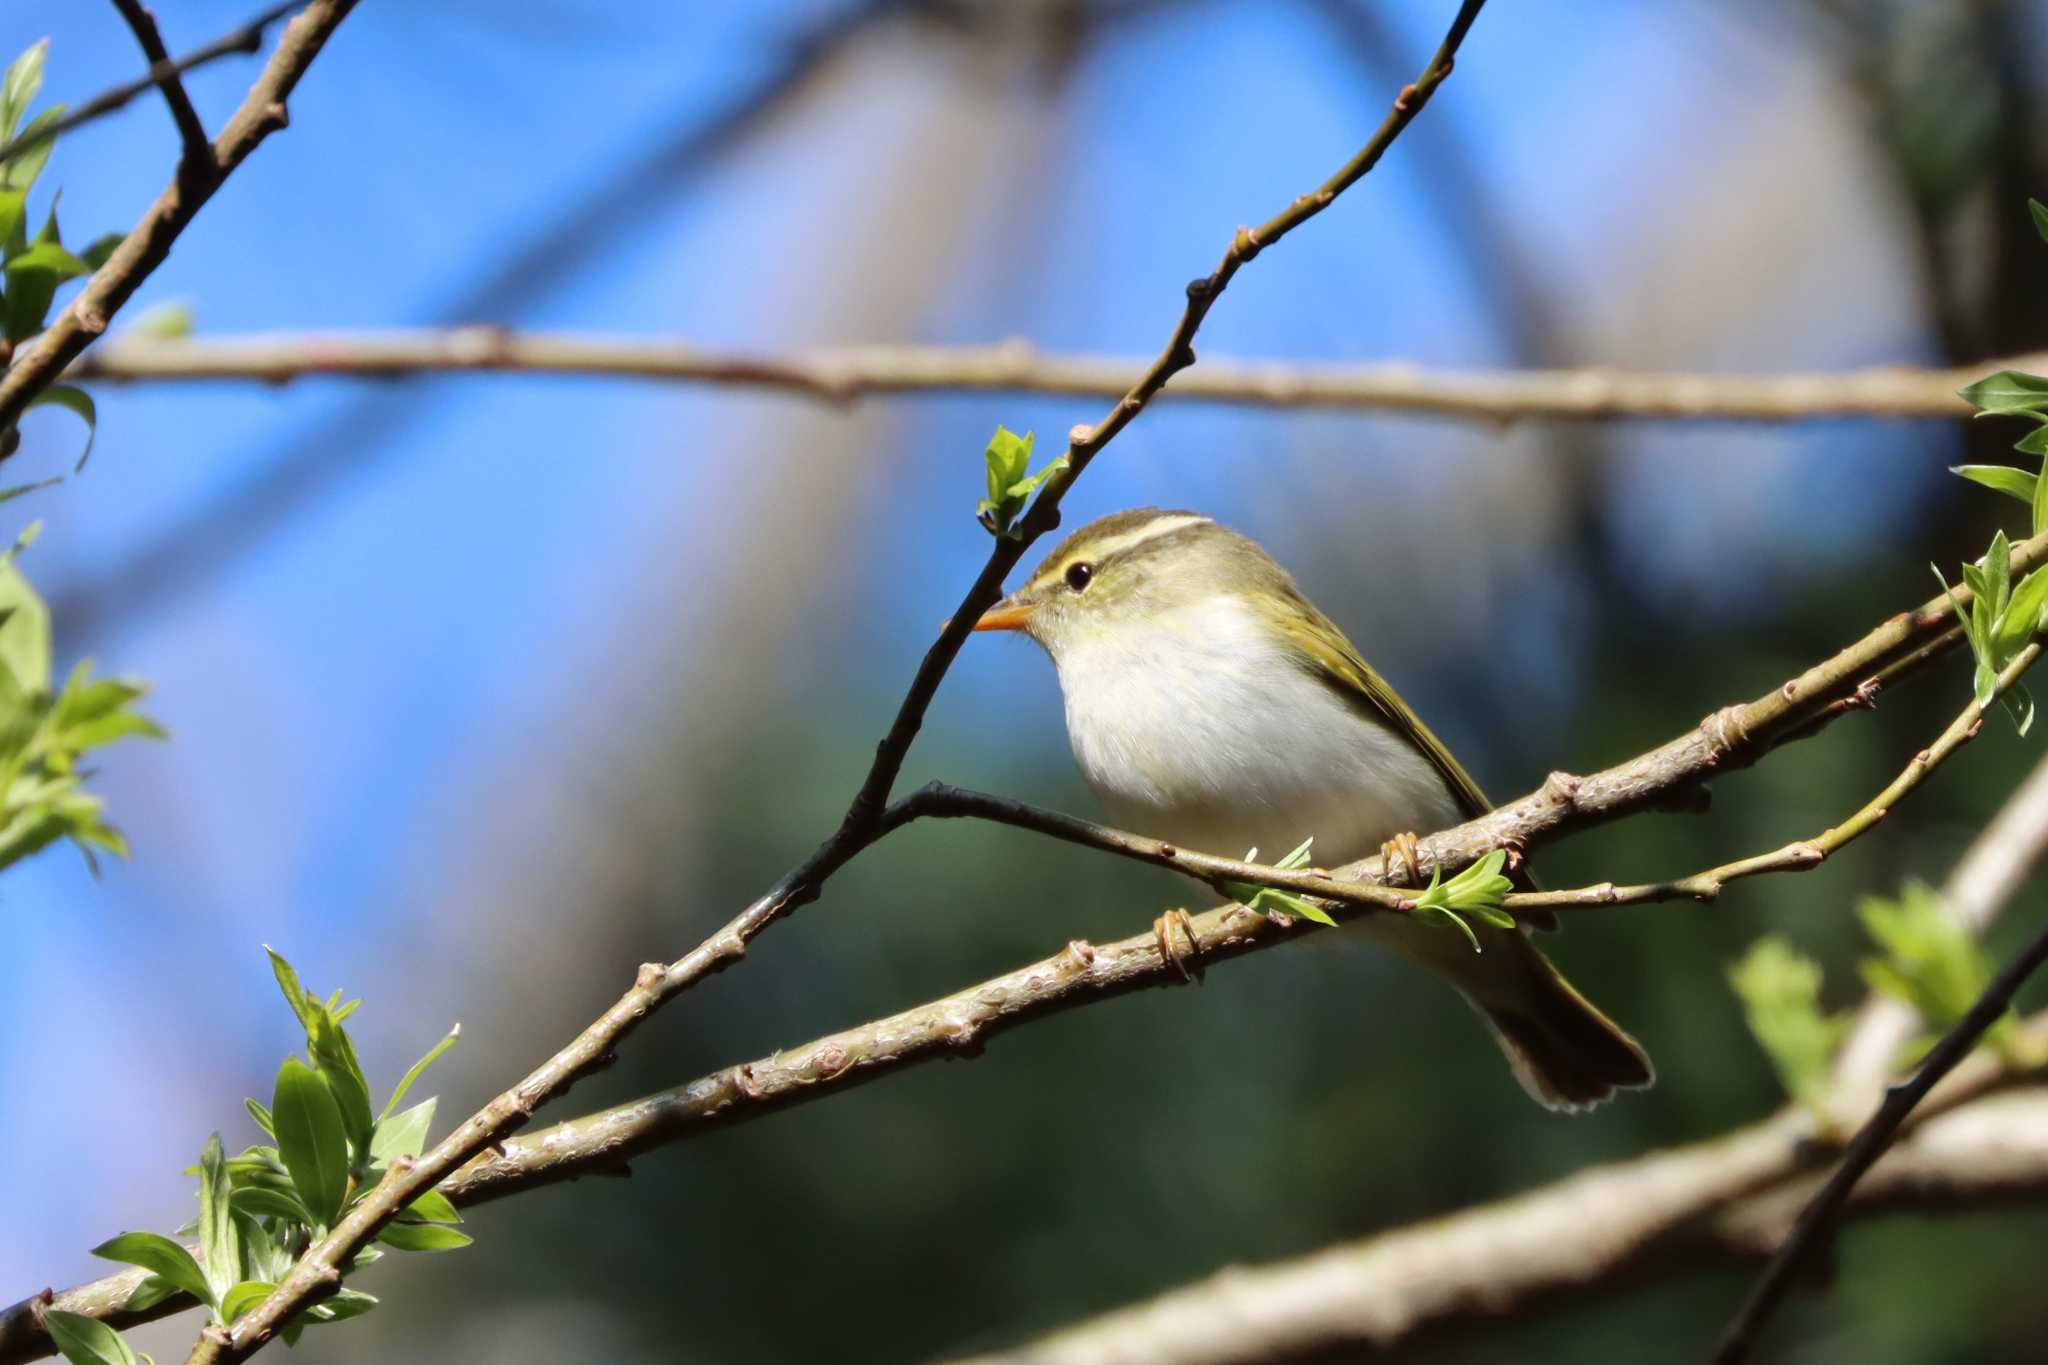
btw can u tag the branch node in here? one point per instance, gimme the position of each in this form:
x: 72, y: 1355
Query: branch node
x: 649, y: 976
x: 1562, y: 787
x: 830, y: 1063
x: 1080, y: 954
x: 1201, y: 289
x: 743, y: 1077
x: 1725, y: 730
x: 1405, y: 101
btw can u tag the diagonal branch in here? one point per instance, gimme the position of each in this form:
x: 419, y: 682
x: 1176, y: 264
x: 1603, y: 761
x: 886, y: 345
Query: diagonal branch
x: 2030, y: 812
x: 38, y: 364
x: 1605, y: 1229
x: 245, y: 39
x: 847, y: 374
x: 604, y: 1142
x: 317, y: 1273
x: 191, y: 132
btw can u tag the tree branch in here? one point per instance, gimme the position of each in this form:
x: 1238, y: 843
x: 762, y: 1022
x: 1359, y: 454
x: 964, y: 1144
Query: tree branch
x: 1601, y: 1229
x: 246, y: 39
x: 317, y: 1273
x: 191, y: 132
x: 37, y: 365
x: 603, y: 1143
x: 847, y: 374
x: 2029, y: 816
x: 942, y: 801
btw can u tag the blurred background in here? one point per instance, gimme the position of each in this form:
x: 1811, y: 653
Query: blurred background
x: 485, y: 689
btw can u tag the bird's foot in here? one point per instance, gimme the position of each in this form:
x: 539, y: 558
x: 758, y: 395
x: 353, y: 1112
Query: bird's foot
x: 1400, y: 856
x: 1163, y: 929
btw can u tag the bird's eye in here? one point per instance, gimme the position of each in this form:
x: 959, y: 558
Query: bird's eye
x: 1078, y: 575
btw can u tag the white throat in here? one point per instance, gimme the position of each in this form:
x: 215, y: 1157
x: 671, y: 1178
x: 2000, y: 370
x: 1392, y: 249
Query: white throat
x: 1198, y: 727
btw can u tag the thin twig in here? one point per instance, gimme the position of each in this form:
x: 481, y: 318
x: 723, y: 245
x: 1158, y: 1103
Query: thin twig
x: 1082, y: 973
x: 317, y: 1272
x: 191, y: 132
x: 248, y: 38
x: 1878, y: 1134
x: 38, y: 364
x: 941, y: 800
x: 846, y: 374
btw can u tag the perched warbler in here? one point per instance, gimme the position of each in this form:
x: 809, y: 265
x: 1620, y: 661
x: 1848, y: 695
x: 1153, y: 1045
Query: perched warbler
x: 1210, y: 704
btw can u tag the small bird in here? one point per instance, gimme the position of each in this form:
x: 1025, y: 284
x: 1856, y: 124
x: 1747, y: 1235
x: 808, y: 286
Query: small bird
x: 1211, y: 705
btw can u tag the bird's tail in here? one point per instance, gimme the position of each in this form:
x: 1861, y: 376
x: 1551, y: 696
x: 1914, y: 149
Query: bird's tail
x: 1563, y: 1050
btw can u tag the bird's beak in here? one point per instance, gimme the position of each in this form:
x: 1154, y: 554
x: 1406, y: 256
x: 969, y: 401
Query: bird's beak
x: 1008, y: 614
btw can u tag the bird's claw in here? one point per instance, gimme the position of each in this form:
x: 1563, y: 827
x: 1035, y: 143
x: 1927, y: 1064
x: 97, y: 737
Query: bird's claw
x: 1173, y: 952
x: 1401, y: 851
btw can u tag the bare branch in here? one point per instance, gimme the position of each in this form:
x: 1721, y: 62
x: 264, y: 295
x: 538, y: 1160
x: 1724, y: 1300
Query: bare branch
x: 317, y: 1272
x: 1597, y: 1230
x: 191, y: 132
x: 245, y: 39
x: 37, y: 365
x: 847, y: 374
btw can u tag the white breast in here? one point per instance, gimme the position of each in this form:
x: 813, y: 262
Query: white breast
x: 1195, y: 729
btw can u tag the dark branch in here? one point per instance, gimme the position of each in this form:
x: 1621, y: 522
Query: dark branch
x: 246, y: 39
x: 198, y: 151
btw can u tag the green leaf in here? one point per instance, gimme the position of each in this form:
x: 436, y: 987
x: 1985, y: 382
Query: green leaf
x: 32, y: 279
x: 1930, y: 962
x: 2008, y: 391
x: 24, y: 624
x: 243, y: 1297
x: 13, y: 206
x: 96, y: 254
x: 345, y: 1304
x: 1780, y: 992
x: 336, y: 1058
x: 165, y: 321
x: 20, y: 172
x: 423, y: 1237
x: 402, y: 1134
x: 1271, y: 900
x: 86, y: 1341
x: 432, y: 1207
x: 160, y: 1256
x: 261, y: 1115
x: 154, y: 1290
x: 18, y: 88
x: 1009, y: 488
x: 295, y: 993
x: 2040, y: 213
x: 311, y: 1138
x: 2022, y: 615
x: 261, y: 1201
x: 418, y: 1069
x: 1477, y: 891
x: 1437, y: 913
x: 79, y: 402
x: 219, y: 1256
x: 2016, y: 483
